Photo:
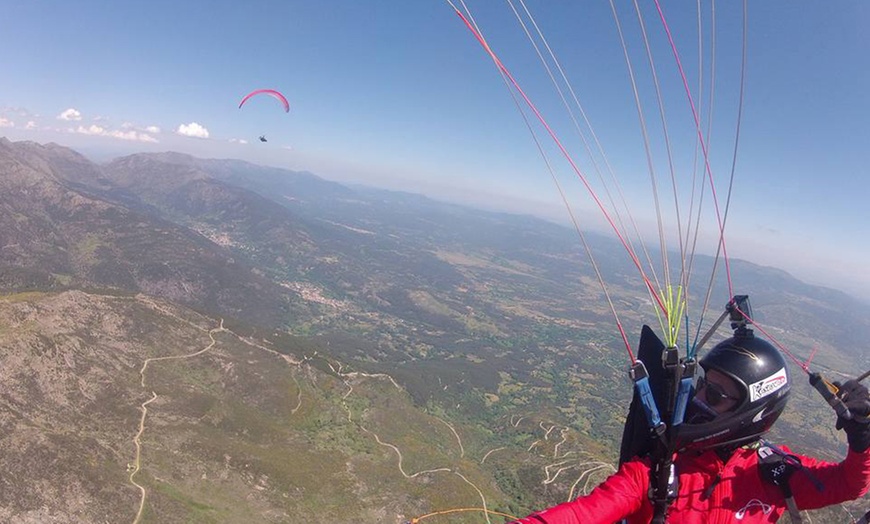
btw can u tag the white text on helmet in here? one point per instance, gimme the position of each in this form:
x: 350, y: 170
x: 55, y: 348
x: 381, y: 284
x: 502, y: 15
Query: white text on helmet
x: 768, y: 385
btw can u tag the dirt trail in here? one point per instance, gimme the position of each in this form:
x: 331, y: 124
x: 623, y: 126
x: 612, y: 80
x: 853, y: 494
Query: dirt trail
x: 137, y: 465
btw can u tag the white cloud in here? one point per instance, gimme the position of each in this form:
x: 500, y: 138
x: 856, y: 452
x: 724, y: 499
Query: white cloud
x: 121, y: 135
x: 92, y: 129
x: 6, y: 123
x: 192, y: 129
x: 154, y: 130
x: 30, y: 125
x: 238, y: 141
x: 132, y: 135
x: 70, y: 114
x: 20, y: 111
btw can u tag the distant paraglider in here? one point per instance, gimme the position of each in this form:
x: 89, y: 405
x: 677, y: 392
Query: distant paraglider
x: 271, y: 92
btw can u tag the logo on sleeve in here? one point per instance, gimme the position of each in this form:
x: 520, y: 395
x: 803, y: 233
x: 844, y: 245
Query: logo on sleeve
x: 753, y: 504
x: 768, y: 386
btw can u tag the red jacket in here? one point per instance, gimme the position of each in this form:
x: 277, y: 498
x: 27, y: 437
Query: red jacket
x: 738, y: 495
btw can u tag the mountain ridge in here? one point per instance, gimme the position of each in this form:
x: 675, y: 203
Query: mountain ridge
x: 55, y: 235
x: 441, y: 329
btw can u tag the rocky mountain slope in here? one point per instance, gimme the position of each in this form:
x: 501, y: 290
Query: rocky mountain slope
x: 319, y: 352
x: 106, y: 398
x: 57, y: 234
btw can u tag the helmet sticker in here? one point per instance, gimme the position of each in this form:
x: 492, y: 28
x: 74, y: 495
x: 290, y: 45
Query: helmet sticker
x: 759, y: 415
x: 767, y: 386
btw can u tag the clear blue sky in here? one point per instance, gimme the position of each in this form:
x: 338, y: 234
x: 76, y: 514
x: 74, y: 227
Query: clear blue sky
x: 398, y: 94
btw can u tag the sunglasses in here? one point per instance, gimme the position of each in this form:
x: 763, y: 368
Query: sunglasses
x: 714, y: 393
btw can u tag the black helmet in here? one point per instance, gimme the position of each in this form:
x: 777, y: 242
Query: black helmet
x: 760, y: 371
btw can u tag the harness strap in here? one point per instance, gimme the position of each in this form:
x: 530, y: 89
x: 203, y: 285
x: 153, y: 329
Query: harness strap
x: 664, y: 410
x: 664, y: 485
x: 793, y: 510
x: 640, y: 376
x: 684, y: 392
x: 776, y: 467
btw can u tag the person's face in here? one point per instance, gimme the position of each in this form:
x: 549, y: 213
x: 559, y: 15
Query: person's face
x: 718, y: 390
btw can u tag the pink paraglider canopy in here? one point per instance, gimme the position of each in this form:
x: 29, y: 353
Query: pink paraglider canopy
x: 271, y: 92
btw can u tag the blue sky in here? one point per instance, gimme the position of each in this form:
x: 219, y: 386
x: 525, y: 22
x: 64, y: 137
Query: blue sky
x: 399, y: 94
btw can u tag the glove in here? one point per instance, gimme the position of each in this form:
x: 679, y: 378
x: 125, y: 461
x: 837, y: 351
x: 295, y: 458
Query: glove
x: 856, y: 397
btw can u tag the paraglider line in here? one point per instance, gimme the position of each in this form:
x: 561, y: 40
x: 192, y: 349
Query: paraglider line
x: 703, y: 146
x: 571, y: 215
x: 801, y: 364
x: 565, y: 153
x: 600, y: 148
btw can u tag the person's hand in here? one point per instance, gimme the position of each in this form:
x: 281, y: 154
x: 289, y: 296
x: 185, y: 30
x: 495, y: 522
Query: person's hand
x: 856, y: 397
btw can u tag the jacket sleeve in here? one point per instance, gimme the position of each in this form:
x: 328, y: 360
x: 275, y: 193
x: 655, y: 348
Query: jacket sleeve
x: 620, y: 495
x: 825, y: 483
